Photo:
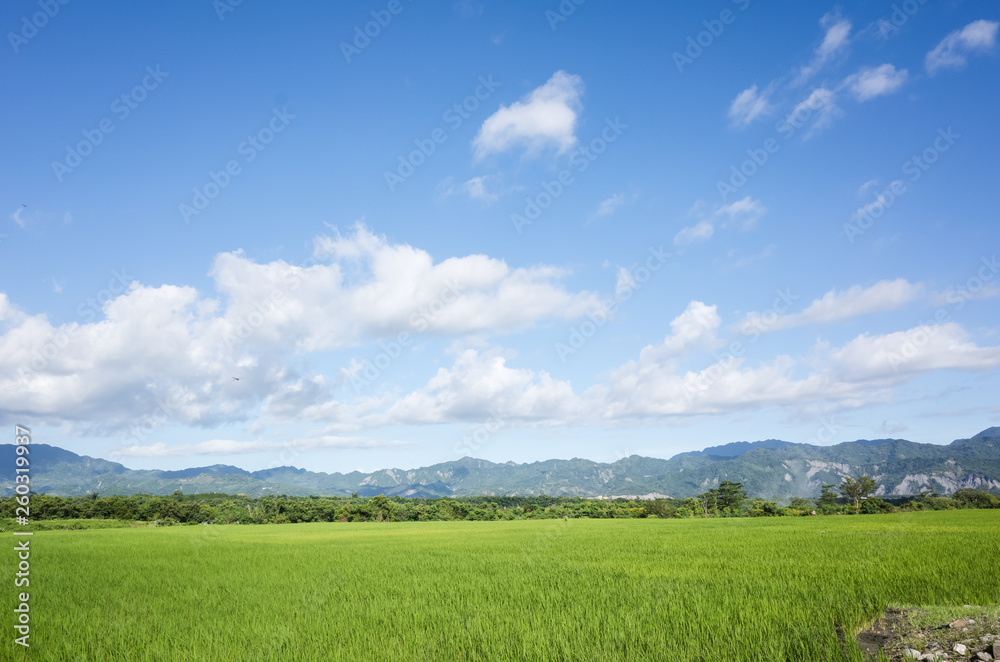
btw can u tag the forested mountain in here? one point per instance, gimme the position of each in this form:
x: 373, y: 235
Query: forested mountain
x: 769, y: 469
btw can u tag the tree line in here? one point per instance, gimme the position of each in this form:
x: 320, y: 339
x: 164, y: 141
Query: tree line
x: 728, y: 499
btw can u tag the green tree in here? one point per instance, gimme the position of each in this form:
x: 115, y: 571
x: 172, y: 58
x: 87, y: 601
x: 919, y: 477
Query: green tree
x: 827, y: 496
x: 382, y: 510
x: 709, y: 502
x: 970, y: 498
x: 731, y: 497
x: 857, y: 490
x: 762, y: 508
x: 800, y: 504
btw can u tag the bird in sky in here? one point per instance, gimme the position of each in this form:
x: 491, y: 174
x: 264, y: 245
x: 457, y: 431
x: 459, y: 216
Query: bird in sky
x: 236, y: 378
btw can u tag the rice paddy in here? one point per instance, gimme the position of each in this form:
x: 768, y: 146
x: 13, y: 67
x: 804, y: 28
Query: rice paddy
x: 602, y: 590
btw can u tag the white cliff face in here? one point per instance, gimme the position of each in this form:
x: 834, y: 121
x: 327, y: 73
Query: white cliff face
x: 815, y: 466
x: 946, y: 482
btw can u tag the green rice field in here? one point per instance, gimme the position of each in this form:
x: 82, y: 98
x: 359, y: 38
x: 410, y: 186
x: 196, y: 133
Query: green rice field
x: 602, y: 590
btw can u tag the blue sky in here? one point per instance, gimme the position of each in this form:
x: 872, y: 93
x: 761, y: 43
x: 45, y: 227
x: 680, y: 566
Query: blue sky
x: 514, y: 230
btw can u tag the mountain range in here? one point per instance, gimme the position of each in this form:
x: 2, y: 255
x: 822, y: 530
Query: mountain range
x: 770, y: 469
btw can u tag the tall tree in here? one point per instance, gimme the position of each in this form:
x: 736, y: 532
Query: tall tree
x: 731, y: 497
x: 828, y: 497
x: 856, y: 490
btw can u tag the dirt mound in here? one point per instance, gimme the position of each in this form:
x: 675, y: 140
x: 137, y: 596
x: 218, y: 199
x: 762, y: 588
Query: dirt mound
x: 910, y: 633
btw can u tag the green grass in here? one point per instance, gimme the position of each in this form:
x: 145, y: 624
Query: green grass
x: 602, y: 590
x: 9, y: 525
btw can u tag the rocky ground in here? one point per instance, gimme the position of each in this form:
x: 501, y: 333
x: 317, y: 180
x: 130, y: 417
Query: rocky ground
x: 963, y: 633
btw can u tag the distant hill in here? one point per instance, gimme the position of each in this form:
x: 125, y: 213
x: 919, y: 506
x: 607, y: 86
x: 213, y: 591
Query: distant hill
x: 737, y: 448
x: 769, y: 469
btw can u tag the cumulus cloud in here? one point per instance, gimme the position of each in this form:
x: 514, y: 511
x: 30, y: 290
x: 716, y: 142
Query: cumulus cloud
x: 918, y: 350
x: 655, y: 386
x: 834, y: 306
x: 479, y: 384
x: 870, y: 83
x: 696, y: 326
x: 154, y: 355
x: 748, y: 106
x: 954, y: 50
x: 546, y: 117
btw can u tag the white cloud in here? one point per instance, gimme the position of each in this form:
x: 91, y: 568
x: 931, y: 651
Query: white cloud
x: 696, y: 326
x: 169, y: 354
x: 870, y: 83
x: 546, y: 117
x: 624, y: 282
x: 700, y: 231
x: 835, y: 40
x: 954, y: 50
x: 745, y: 212
x: 765, y: 253
x: 481, y: 383
x: 478, y: 188
x: 16, y: 217
x: 748, y: 106
x: 881, y: 201
x: 918, y: 350
x: 954, y: 297
x: 818, y: 110
x: 835, y: 306
x: 867, y: 185
x: 445, y: 188
x: 610, y: 205
x: 653, y: 387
